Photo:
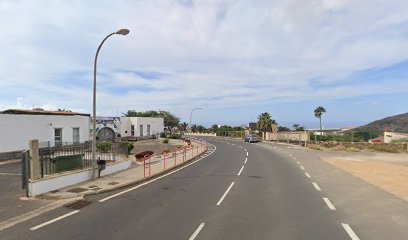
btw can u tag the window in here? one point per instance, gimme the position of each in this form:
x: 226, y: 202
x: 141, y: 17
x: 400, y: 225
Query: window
x: 132, y: 130
x: 57, y: 136
x: 75, y: 136
x: 148, y: 130
x: 141, y: 130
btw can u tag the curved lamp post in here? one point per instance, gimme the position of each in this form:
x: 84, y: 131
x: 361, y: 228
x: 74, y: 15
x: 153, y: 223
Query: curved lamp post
x: 122, y: 31
x: 191, y: 115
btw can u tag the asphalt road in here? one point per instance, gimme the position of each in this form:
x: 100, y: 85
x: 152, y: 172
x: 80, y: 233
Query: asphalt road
x: 241, y: 191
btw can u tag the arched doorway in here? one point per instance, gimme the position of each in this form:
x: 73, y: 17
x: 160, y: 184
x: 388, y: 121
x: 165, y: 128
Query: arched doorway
x: 106, y: 134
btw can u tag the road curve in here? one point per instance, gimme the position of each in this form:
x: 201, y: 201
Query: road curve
x: 241, y: 191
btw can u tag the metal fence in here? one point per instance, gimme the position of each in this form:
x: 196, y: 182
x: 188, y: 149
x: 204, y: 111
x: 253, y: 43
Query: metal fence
x: 63, y: 158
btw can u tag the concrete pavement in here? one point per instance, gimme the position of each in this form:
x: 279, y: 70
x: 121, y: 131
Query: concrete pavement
x: 242, y: 191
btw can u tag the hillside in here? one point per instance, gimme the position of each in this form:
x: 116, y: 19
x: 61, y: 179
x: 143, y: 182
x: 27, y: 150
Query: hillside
x: 397, y: 123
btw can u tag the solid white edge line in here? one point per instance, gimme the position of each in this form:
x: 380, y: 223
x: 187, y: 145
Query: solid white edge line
x: 307, y: 175
x: 242, y: 168
x: 246, y: 159
x: 54, y: 220
x: 225, y: 194
x: 197, y: 231
x: 155, y: 179
x: 316, y: 186
x: 350, y: 231
x: 301, y: 167
x: 329, y: 204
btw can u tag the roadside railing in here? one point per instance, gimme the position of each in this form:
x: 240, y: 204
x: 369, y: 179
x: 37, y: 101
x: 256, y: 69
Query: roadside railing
x: 151, y: 165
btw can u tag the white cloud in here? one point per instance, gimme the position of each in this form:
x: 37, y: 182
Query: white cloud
x: 211, y: 53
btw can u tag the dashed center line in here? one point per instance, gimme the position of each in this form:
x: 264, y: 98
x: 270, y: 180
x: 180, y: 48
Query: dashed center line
x: 197, y: 231
x: 301, y: 167
x: 242, y: 168
x: 246, y: 159
x: 316, y: 186
x: 307, y: 175
x: 247, y: 154
x: 225, y: 194
x: 297, y: 162
x: 350, y: 231
x: 54, y: 220
x: 329, y: 204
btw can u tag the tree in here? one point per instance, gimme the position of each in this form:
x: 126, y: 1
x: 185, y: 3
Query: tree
x: 170, y: 120
x: 63, y: 110
x: 283, y: 129
x: 214, y: 128
x: 297, y: 127
x: 193, y: 128
x: 318, y: 112
x: 265, y: 122
x: 201, y: 128
x: 183, y: 126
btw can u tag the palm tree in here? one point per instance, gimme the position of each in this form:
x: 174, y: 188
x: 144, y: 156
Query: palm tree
x: 183, y: 127
x: 265, y: 122
x: 318, y: 112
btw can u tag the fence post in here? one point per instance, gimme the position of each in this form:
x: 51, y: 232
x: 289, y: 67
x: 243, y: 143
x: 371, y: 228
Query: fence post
x: 149, y: 165
x: 144, y: 167
x: 164, y: 163
x: 34, y: 160
x: 175, y: 157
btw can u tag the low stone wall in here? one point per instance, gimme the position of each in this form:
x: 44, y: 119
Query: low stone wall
x: 380, y: 147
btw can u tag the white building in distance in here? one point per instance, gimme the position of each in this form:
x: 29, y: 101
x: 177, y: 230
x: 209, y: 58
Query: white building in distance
x: 18, y: 127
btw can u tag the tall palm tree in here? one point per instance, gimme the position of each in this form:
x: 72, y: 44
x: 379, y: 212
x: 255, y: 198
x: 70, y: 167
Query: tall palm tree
x: 318, y: 112
x: 265, y: 122
x: 183, y: 127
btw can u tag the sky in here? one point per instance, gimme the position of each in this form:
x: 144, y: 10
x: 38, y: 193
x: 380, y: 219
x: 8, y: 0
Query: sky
x: 233, y: 58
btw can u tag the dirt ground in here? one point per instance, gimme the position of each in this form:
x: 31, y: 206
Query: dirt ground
x: 156, y: 146
x: 386, y: 171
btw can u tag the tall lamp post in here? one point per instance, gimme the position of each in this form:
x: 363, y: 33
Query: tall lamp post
x: 191, y: 115
x: 123, y: 31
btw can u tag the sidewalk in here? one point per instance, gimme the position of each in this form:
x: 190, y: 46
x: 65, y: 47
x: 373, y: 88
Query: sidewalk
x: 139, y: 172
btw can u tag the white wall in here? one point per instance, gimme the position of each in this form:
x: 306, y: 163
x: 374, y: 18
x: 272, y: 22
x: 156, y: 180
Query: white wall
x: 390, y: 136
x: 17, y: 129
x: 156, y: 125
x: 40, y: 186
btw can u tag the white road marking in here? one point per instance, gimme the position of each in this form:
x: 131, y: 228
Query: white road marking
x: 197, y: 231
x: 246, y: 159
x: 242, y: 168
x: 316, y: 186
x: 247, y: 154
x: 350, y: 231
x: 307, y: 175
x: 301, y: 167
x: 54, y: 220
x: 298, y: 162
x: 225, y: 194
x: 329, y: 204
x: 294, y: 158
x: 291, y: 155
x: 11, y: 174
x: 155, y: 179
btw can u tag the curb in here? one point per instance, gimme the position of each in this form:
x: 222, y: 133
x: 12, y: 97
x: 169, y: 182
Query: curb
x: 139, y: 181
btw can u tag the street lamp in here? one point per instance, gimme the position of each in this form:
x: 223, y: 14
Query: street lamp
x: 191, y: 115
x: 122, y: 31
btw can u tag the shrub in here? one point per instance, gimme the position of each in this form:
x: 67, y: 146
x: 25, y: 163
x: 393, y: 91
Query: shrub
x: 175, y: 136
x: 166, y: 140
x: 162, y: 135
x: 104, y: 146
x: 130, y: 147
x: 143, y: 154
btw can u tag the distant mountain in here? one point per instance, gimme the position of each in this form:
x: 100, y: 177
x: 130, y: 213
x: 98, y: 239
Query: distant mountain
x: 397, y: 123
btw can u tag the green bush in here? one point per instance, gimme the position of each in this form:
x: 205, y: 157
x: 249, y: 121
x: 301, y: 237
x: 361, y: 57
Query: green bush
x: 175, y: 136
x: 162, y: 135
x: 166, y: 140
x: 128, y: 145
x: 104, y: 146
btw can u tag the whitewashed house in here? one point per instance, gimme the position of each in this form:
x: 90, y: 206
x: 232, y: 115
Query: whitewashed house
x: 141, y: 126
x: 18, y: 127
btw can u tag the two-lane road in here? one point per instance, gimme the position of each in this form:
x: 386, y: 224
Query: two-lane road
x: 240, y: 191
